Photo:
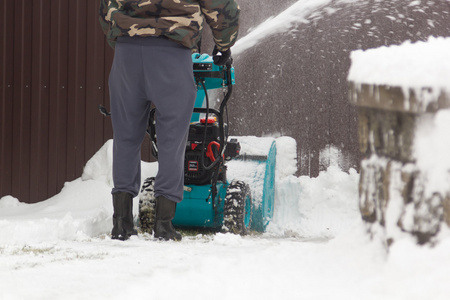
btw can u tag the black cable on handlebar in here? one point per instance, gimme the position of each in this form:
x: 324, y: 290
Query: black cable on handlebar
x: 223, y: 106
x: 214, y: 163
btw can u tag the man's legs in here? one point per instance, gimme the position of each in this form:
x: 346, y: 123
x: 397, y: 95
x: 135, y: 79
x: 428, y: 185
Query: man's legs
x: 171, y: 85
x: 171, y: 88
x: 158, y: 70
x: 129, y: 113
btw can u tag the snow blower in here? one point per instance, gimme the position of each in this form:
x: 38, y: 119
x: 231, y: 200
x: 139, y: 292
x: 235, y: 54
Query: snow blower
x: 229, y: 183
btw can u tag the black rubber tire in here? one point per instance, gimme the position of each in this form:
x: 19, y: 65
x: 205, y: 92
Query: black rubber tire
x: 237, y: 212
x: 147, y: 206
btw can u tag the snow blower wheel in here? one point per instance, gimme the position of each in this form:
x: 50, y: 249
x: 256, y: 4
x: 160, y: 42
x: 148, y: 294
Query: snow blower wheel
x: 147, y: 206
x: 237, y: 209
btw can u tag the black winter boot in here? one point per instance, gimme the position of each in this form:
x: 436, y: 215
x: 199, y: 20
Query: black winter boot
x: 123, y: 225
x: 165, y: 212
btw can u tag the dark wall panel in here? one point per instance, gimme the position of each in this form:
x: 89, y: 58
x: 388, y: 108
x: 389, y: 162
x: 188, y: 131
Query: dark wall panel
x: 6, y: 93
x: 22, y: 99
x: 54, y: 63
x: 59, y: 39
x: 95, y: 78
x: 39, y: 130
x: 76, y: 87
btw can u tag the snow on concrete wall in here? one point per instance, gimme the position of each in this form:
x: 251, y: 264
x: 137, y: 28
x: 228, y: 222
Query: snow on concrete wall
x: 404, y: 183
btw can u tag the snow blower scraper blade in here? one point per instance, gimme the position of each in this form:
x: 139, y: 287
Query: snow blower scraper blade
x: 256, y: 166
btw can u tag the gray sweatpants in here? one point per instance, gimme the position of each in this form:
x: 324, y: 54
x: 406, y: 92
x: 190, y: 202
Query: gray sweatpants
x: 159, y: 71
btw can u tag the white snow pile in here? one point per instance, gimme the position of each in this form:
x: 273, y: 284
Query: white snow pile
x: 409, y: 66
x: 431, y: 145
x: 313, y: 208
x: 83, y: 209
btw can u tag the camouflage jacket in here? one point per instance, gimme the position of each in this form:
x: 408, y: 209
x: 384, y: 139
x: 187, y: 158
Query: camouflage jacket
x: 178, y: 20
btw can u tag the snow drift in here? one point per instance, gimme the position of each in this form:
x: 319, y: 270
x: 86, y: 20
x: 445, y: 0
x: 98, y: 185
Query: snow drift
x: 304, y: 207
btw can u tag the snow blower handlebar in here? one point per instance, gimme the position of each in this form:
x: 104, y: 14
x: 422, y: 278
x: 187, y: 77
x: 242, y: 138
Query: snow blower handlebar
x: 210, y: 76
x: 207, y: 76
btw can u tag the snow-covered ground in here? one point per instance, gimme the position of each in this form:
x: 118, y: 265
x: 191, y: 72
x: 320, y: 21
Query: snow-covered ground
x: 316, y: 247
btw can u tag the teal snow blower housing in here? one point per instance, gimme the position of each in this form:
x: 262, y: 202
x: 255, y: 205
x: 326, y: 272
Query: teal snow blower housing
x: 226, y: 188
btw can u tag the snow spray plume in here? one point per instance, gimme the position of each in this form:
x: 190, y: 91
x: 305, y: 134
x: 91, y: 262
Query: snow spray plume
x: 296, y: 13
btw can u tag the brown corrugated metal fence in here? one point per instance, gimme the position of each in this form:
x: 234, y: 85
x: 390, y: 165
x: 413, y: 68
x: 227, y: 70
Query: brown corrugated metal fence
x: 53, y: 75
